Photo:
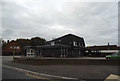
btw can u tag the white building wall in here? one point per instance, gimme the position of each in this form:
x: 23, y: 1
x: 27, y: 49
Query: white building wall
x: 30, y: 53
x: 109, y: 51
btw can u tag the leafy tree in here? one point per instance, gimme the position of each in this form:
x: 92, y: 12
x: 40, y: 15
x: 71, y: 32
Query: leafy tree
x: 23, y: 42
x: 37, y: 41
x: 3, y: 44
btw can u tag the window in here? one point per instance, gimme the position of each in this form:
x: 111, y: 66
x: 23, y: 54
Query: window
x: 79, y: 52
x: 15, y: 47
x: 28, y: 50
x: 74, y: 43
x: 82, y: 45
x: 86, y: 51
x: 59, y: 40
x: 10, y: 47
x: 53, y: 43
x: 61, y: 55
x: 61, y: 51
x: 18, y: 47
x: 79, y: 44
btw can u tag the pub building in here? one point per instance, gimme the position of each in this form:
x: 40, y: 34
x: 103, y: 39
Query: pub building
x: 66, y: 46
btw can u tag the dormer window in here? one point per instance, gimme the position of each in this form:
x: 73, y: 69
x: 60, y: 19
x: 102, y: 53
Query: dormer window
x: 53, y: 43
x: 74, y: 43
x: 82, y: 45
x: 59, y: 40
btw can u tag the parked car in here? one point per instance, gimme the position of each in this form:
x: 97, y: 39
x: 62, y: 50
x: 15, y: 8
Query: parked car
x: 113, y: 56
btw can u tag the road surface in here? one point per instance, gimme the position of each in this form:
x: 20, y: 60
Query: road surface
x: 8, y: 74
x: 12, y: 74
x: 73, y: 71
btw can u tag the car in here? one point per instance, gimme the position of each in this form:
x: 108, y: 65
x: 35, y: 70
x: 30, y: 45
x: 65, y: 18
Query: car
x: 113, y: 56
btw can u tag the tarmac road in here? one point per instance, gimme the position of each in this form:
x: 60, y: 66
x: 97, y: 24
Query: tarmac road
x: 11, y: 74
x: 73, y: 71
x: 8, y: 74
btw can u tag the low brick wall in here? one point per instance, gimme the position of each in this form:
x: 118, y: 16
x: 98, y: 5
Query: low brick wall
x: 67, y: 61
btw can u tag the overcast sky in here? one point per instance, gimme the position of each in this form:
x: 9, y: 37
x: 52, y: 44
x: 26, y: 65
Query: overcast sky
x: 96, y: 22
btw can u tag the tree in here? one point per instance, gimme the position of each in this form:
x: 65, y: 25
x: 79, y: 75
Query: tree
x: 3, y: 43
x: 23, y: 42
x: 37, y: 41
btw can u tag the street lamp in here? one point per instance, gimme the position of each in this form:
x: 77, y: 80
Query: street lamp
x: 14, y: 48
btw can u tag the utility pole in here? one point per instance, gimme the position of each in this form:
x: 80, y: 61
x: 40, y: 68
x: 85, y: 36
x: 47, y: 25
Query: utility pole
x: 108, y: 46
x: 14, y: 48
x: 13, y: 54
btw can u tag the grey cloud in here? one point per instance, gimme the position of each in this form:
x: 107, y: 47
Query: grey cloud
x: 96, y: 22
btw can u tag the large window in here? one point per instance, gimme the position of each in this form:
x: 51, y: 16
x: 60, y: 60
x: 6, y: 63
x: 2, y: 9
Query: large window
x: 79, y: 44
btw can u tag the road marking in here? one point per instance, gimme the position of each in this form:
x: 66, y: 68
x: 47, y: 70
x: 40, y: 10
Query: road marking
x: 112, y: 77
x: 38, y: 75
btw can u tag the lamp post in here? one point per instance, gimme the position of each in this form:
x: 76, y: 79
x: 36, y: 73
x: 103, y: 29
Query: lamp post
x: 14, y: 48
x: 13, y: 54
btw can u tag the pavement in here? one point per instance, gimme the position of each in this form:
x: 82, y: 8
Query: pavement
x: 102, y: 58
x: 99, y: 58
x: 72, y: 71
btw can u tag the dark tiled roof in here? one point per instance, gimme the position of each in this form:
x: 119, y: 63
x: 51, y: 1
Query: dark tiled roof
x: 104, y: 47
x: 64, y: 36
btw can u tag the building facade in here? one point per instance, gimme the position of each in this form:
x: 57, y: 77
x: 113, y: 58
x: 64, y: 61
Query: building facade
x: 12, y: 47
x: 66, y: 46
x: 102, y: 50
